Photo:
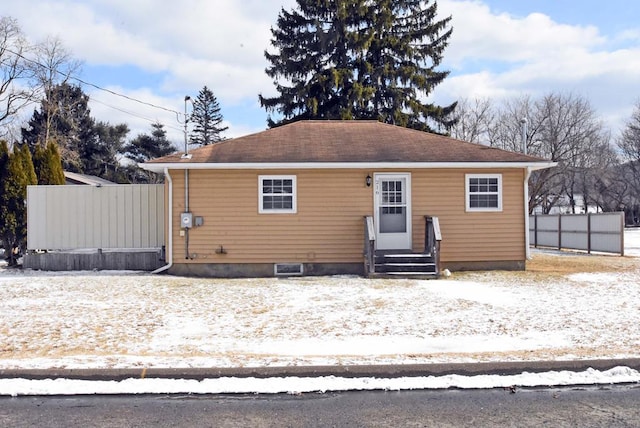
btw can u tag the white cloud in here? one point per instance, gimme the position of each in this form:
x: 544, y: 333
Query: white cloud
x: 224, y: 40
x: 500, y: 55
x: 221, y: 44
x: 631, y: 35
x: 230, y: 82
x: 480, y: 34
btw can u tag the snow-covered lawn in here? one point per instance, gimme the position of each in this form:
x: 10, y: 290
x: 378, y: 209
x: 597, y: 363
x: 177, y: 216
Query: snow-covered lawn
x: 563, y: 307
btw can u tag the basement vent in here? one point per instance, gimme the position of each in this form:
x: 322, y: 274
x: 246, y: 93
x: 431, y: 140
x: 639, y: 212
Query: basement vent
x: 288, y: 269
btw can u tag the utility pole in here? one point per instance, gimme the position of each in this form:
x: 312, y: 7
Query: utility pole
x: 523, y: 121
x: 186, y: 121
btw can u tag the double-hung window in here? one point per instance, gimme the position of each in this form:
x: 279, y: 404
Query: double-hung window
x: 484, y: 192
x: 277, y: 194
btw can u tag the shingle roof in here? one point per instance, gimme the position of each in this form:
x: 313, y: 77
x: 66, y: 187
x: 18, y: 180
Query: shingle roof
x: 348, y: 141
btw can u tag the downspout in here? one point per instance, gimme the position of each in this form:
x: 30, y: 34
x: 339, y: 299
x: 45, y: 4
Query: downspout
x: 524, y: 123
x: 526, y: 214
x: 186, y: 155
x: 169, y: 248
x: 186, y: 209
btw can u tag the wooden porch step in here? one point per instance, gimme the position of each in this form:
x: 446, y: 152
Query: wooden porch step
x: 407, y: 264
x: 386, y: 268
x: 403, y: 255
x: 407, y: 275
x: 411, y: 274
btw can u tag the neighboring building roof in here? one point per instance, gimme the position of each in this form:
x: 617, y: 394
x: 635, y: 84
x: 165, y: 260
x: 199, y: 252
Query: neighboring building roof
x: 329, y: 142
x: 91, y: 180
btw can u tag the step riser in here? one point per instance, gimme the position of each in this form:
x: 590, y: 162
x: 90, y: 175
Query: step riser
x: 404, y: 262
x: 410, y: 265
x: 405, y: 269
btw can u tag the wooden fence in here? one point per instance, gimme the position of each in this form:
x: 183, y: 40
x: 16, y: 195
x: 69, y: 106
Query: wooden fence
x: 602, y: 232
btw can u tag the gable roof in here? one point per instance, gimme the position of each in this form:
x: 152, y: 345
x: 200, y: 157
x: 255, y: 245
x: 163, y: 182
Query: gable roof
x: 338, y: 143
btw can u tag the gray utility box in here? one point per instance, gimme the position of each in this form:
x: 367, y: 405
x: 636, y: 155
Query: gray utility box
x: 186, y: 220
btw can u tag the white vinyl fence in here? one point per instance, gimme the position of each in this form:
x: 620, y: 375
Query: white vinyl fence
x: 602, y: 232
x: 90, y: 217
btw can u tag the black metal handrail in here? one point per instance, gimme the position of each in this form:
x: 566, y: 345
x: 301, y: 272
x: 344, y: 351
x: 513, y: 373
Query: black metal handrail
x: 432, y: 239
x: 369, y: 245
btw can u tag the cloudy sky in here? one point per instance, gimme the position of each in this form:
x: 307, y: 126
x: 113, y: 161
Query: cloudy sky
x: 159, y: 51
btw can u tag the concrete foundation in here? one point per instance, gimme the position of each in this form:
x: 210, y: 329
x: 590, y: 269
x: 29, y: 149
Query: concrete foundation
x: 511, y: 265
x: 260, y: 270
x: 60, y: 261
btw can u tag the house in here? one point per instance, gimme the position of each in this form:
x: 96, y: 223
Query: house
x: 314, y: 197
x: 72, y: 178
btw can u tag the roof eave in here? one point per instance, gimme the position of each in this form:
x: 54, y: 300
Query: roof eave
x: 160, y: 167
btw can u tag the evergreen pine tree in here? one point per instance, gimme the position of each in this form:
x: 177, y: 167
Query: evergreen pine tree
x: 359, y: 59
x: 207, y: 119
x: 47, y: 164
x: 56, y: 173
x: 403, y: 57
x: 19, y: 173
x: 146, y: 147
x: 314, y: 44
x: 4, y: 158
x: 27, y: 166
x: 102, y: 157
x: 64, y: 117
x: 40, y: 163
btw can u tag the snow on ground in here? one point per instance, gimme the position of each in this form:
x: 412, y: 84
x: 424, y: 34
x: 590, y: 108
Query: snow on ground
x: 131, y: 319
x: 297, y: 385
x: 632, y: 242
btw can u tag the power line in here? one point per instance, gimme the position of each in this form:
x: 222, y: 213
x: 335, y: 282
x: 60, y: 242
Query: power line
x: 94, y: 99
x: 177, y: 113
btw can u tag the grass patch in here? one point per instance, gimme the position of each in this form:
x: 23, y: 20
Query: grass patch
x: 578, y: 263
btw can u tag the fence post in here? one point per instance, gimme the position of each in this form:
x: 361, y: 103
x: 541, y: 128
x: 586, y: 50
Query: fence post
x: 622, y: 234
x: 588, y: 233
x: 559, y: 232
x: 597, y: 238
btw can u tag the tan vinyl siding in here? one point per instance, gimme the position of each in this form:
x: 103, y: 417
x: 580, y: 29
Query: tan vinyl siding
x: 470, y: 236
x: 328, y: 225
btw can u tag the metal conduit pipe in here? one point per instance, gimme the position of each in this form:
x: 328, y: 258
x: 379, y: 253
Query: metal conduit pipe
x: 186, y: 178
x: 186, y: 209
x: 169, y: 247
x: 527, y: 175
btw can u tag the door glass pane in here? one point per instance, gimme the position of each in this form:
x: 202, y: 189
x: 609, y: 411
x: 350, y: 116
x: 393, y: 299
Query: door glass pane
x: 393, y: 211
x: 393, y: 220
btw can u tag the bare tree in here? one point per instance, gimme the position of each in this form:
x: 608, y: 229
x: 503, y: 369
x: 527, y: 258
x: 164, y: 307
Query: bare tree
x: 506, y: 132
x: 629, y: 144
x: 474, y: 120
x: 629, y: 141
x: 53, y: 68
x: 561, y: 128
x: 592, y: 176
x: 613, y: 190
x: 571, y: 134
x: 16, y: 73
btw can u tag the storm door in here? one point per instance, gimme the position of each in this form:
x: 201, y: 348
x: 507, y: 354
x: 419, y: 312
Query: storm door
x: 392, y: 211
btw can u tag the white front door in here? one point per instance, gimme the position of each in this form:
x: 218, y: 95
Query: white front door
x: 392, y: 211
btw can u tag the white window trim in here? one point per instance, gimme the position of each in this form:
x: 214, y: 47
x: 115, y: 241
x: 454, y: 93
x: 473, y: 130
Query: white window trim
x: 294, y: 202
x: 467, y: 193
